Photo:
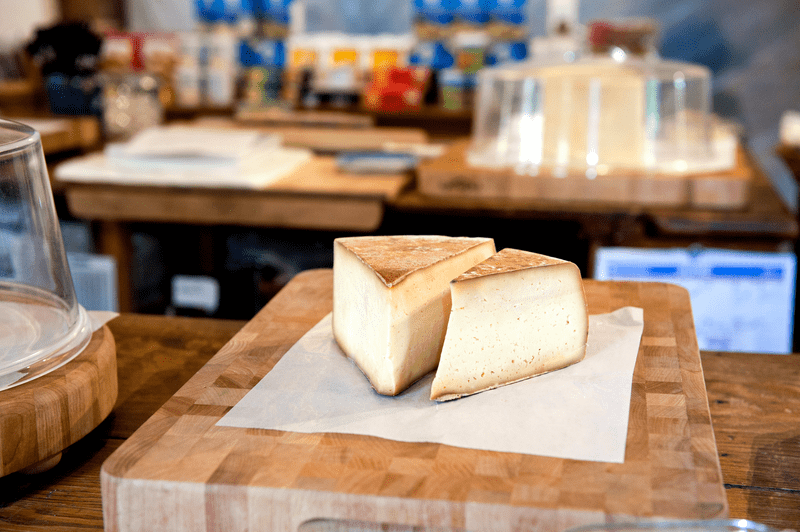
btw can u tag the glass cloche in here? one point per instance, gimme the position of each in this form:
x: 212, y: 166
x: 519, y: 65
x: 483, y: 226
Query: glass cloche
x: 614, y: 108
x: 42, y: 326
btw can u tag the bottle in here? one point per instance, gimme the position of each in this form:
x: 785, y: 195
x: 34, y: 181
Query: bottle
x: 131, y: 100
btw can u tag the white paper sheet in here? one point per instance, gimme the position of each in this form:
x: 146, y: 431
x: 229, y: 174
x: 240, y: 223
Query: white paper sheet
x: 190, y: 157
x: 579, y: 412
x: 192, y: 142
x: 255, y: 172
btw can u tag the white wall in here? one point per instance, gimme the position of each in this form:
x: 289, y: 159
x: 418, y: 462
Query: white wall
x: 21, y: 18
x: 160, y: 15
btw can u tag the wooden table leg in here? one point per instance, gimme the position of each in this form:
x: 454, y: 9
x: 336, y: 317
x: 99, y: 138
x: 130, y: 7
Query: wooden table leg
x: 114, y: 239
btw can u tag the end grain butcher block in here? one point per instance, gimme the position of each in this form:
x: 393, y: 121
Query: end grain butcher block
x: 42, y: 417
x: 181, y: 472
x: 451, y: 176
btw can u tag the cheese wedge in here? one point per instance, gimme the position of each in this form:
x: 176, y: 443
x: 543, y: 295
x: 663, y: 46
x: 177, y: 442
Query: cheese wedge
x: 391, y: 301
x: 515, y: 315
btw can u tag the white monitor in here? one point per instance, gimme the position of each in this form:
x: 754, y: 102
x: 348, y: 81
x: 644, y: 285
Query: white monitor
x: 741, y: 301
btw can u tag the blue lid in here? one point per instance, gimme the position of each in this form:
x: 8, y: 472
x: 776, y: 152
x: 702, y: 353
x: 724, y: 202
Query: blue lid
x: 432, y: 54
x: 262, y: 53
x: 453, y: 77
x: 376, y: 162
x: 504, y: 52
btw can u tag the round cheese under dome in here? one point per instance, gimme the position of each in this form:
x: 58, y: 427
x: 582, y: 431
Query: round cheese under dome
x: 42, y: 326
x: 599, y: 114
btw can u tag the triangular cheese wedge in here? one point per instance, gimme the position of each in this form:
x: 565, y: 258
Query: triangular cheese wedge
x: 515, y: 315
x: 391, y: 301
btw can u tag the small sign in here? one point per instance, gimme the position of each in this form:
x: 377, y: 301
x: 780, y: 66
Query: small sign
x: 741, y: 300
x: 196, y: 292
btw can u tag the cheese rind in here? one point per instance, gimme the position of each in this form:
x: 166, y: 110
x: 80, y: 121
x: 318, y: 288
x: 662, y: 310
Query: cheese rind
x: 391, y: 301
x: 514, y: 316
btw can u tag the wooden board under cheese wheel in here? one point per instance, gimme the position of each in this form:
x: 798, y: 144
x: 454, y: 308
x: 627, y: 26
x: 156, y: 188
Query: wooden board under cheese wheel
x: 451, y: 176
x: 181, y: 472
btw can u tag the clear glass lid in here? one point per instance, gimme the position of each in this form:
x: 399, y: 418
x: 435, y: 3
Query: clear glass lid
x: 42, y: 326
x: 599, y: 113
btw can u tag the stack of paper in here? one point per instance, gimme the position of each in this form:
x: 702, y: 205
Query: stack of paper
x: 189, y: 156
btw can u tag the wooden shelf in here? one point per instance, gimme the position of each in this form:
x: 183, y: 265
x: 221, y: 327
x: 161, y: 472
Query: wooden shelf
x: 17, y: 88
x: 189, y: 113
x: 436, y: 121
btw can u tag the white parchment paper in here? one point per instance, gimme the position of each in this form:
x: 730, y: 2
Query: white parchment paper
x: 579, y: 412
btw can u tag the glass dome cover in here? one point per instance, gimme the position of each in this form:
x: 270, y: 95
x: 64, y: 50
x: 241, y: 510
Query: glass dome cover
x: 599, y: 113
x: 42, y: 325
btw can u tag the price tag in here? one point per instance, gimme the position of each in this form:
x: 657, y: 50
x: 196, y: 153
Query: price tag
x: 195, y: 291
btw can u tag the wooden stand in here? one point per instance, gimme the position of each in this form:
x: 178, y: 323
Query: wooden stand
x: 452, y: 176
x: 181, y: 472
x: 41, y: 418
x: 327, y: 139
x: 73, y: 133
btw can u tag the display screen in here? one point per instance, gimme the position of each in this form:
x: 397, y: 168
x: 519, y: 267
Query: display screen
x: 741, y: 301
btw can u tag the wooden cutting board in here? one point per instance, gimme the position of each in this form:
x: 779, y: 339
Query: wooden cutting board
x: 451, y: 176
x: 180, y: 472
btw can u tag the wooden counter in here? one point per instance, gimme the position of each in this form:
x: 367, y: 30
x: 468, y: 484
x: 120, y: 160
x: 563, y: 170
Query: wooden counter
x: 764, y: 216
x: 317, y: 196
x: 754, y: 401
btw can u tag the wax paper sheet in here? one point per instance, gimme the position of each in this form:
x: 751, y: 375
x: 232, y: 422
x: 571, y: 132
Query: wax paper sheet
x: 579, y: 412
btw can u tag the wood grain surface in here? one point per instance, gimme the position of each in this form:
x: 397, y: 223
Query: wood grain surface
x: 316, y: 196
x: 181, y: 472
x: 156, y: 355
x: 273, y: 116
x: 766, y: 213
x: 755, y: 405
x: 44, y: 416
x: 451, y: 176
x: 77, y: 133
x: 328, y: 139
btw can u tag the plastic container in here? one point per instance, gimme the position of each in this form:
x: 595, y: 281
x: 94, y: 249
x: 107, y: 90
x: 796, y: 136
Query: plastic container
x: 131, y: 103
x: 42, y: 325
x: 599, y: 113
x: 221, y: 68
x: 131, y: 96
x: 453, y: 87
x: 470, y: 50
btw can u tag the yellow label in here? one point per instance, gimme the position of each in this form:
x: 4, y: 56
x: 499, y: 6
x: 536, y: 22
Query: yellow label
x: 301, y: 57
x: 384, y: 58
x: 345, y: 57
